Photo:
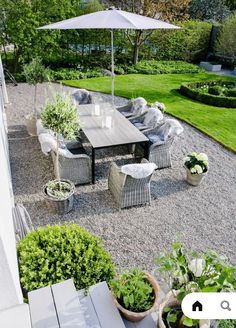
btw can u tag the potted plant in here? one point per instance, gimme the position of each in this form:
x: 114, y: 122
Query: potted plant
x: 35, y: 73
x: 135, y: 293
x: 191, y: 272
x: 60, y: 116
x: 196, y: 166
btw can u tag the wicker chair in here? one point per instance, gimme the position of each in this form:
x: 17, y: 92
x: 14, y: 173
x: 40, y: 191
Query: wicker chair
x: 161, y: 139
x: 149, y: 120
x: 82, y: 97
x: 134, y: 108
x: 74, y: 165
x: 127, y: 190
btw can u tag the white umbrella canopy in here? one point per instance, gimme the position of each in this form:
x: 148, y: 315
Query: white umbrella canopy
x: 111, y: 19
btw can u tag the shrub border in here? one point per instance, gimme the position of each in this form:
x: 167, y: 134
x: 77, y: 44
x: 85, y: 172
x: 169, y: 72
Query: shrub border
x: 188, y: 90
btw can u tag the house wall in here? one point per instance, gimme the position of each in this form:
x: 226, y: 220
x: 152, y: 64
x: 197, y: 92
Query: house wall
x: 10, y: 292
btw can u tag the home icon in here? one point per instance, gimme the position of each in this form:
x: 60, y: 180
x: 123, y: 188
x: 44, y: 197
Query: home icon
x: 197, y: 306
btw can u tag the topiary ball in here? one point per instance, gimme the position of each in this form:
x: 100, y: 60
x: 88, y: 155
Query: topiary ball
x: 55, y: 253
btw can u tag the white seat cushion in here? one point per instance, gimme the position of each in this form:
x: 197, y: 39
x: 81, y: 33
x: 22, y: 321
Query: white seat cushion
x: 138, y: 171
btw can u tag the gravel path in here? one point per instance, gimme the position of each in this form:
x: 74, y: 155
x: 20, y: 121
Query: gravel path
x: 203, y: 217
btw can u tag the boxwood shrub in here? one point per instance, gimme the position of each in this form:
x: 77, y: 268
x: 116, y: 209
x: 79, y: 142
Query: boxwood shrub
x: 196, y: 91
x: 54, y: 253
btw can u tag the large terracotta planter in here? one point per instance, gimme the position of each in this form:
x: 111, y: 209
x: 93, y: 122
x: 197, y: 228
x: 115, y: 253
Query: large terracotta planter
x: 60, y: 206
x: 171, y: 301
x: 194, y: 179
x: 135, y: 316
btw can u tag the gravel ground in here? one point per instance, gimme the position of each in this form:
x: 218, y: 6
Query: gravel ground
x: 203, y: 217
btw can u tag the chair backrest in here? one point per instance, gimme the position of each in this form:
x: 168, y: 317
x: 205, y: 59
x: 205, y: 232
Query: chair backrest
x: 169, y: 129
x: 82, y: 97
x: 153, y: 117
x: 159, y: 106
x: 139, y: 106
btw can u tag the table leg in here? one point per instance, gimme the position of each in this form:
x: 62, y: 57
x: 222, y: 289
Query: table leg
x: 146, y: 150
x: 93, y: 165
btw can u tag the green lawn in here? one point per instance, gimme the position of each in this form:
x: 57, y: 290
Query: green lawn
x: 219, y: 123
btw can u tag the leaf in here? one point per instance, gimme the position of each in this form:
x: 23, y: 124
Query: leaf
x: 187, y: 322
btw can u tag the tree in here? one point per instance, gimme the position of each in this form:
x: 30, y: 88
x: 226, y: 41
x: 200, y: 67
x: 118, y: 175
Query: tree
x: 226, y: 44
x: 60, y: 116
x: 169, y: 10
x: 214, y: 10
x: 19, y: 22
x: 35, y: 73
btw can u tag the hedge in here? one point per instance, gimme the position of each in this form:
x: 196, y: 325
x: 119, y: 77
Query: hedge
x: 190, y: 43
x: 190, y: 90
x: 52, y: 254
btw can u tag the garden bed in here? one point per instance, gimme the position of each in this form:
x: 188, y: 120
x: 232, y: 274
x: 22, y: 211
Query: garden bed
x: 215, y: 93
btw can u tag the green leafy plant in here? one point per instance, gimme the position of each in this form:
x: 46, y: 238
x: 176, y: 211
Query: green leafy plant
x: 227, y: 324
x: 133, y: 291
x: 54, y: 253
x: 215, y: 90
x: 174, y: 317
x: 193, y: 272
x: 35, y: 73
x: 163, y: 67
x: 59, y: 191
x: 196, y: 163
x: 61, y: 117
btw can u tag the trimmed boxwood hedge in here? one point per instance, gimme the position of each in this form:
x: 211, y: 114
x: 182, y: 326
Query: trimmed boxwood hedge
x: 191, y: 90
x: 52, y: 254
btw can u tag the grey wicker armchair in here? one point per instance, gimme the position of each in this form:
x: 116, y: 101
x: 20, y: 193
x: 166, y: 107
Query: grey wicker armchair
x: 148, y: 120
x: 74, y: 165
x: 161, y: 139
x: 82, y: 97
x: 134, y: 108
x: 126, y: 190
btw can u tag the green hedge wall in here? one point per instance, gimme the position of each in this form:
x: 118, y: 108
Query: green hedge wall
x: 190, y: 90
x: 190, y: 43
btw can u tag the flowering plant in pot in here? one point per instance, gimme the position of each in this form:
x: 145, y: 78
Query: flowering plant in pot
x: 61, y: 117
x: 196, y: 166
x: 34, y: 73
x: 136, y: 294
x: 187, y: 272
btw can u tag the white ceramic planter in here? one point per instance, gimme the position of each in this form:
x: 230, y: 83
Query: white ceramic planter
x: 194, y: 179
x: 210, y: 67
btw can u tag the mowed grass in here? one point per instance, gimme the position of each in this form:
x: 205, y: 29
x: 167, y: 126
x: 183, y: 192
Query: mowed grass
x: 219, y: 123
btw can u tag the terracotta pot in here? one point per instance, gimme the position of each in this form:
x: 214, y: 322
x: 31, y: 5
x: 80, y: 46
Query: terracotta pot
x: 60, y: 206
x: 138, y: 316
x: 31, y: 125
x: 194, y: 179
x: 171, y: 301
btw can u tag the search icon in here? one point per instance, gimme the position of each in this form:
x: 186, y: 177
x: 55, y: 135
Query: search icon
x: 225, y: 305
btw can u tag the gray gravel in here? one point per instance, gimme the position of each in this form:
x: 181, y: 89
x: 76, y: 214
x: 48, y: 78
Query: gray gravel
x: 203, y: 217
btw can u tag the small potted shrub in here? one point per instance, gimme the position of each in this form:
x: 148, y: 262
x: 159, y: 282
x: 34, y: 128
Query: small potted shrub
x: 187, y: 272
x: 196, y: 166
x: 61, y: 117
x: 136, y: 294
x: 55, y: 253
x: 34, y: 73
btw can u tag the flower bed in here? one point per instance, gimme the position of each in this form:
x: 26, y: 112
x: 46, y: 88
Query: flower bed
x: 215, y: 93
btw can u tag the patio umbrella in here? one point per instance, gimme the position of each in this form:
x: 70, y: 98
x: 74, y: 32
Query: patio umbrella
x: 111, y: 19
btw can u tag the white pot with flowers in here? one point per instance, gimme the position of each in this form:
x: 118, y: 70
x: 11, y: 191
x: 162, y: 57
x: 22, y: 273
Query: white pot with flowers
x: 196, y: 167
x: 61, y: 117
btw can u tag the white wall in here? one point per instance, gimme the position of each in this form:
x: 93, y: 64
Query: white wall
x: 10, y: 292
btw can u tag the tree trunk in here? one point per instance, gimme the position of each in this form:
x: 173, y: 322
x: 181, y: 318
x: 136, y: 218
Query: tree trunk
x: 136, y: 46
x: 35, y: 99
x: 57, y: 163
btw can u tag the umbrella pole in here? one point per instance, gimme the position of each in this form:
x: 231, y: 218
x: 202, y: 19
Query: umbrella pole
x: 112, y: 68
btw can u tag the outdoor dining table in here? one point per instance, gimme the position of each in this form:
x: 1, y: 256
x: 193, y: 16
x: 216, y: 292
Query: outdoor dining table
x: 106, y: 127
